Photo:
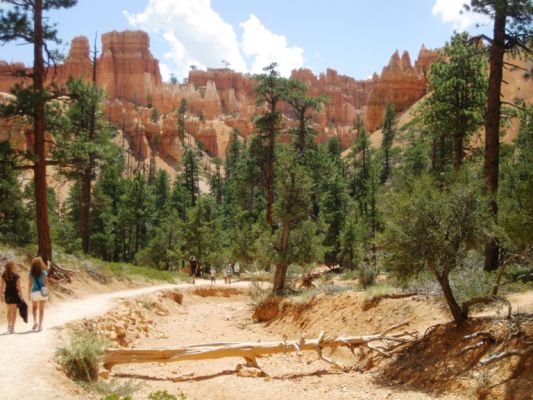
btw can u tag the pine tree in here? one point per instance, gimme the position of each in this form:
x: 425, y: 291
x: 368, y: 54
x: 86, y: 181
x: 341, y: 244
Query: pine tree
x: 386, y: 144
x: 302, y: 106
x: 291, y: 210
x: 82, y: 143
x: 233, y: 153
x: 24, y: 23
x: 454, y: 110
x: 512, y: 29
x: 14, y: 216
x: 270, y: 90
x: 191, y: 175
x: 161, y: 190
x: 108, y: 217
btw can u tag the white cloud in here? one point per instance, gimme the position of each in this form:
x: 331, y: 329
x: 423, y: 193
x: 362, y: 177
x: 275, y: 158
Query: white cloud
x: 197, y: 35
x: 452, y: 11
x: 165, y: 71
x: 266, y: 47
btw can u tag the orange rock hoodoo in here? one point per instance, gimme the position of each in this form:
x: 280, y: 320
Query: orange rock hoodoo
x: 130, y: 75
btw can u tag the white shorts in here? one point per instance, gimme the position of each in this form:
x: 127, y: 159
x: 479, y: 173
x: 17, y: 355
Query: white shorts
x: 37, y: 296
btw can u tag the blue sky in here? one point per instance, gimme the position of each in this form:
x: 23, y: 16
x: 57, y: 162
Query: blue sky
x: 355, y: 37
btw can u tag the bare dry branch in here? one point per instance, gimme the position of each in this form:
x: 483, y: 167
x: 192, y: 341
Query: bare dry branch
x: 249, y: 351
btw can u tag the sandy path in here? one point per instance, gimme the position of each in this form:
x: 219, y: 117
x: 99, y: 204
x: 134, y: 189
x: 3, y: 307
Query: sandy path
x: 26, y: 367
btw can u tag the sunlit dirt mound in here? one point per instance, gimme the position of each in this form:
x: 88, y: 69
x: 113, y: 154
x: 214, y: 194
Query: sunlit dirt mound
x: 217, y: 291
x: 443, y: 360
x: 133, y: 318
x: 348, y: 314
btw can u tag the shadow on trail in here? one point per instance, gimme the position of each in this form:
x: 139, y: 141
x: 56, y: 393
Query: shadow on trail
x: 320, y: 372
x: 174, y: 379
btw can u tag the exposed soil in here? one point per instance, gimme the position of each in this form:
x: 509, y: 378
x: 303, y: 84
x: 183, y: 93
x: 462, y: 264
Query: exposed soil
x: 164, y: 316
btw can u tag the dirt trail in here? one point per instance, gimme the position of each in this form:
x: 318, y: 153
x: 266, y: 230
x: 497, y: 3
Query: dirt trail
x: 26, y: 367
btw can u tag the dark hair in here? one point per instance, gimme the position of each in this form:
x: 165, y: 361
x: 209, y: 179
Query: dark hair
x: 37, y: 267
x: 9, y: 271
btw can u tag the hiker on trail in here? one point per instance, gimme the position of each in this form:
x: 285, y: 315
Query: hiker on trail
x: 193, y: 264
x: 237, y: 270
x: 228, y: 271
x: 38, y: 290
x: 213, y: 275
x: 10, y: 286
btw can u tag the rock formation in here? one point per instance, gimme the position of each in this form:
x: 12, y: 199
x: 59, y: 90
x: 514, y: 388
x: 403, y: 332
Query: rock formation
x: 219, y: 100
x: 127, y: 68
x: 400, y: 83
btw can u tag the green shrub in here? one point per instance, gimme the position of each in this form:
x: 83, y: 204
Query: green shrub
x: 260, y: 292
x: 115, y: 396
x: 367, y: 275
x: 80, y: 356
x: 112, y: 387
x: 378, y: 291
x: 164, y: 395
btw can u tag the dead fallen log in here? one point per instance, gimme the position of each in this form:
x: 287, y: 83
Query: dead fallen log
x: 251, y: 351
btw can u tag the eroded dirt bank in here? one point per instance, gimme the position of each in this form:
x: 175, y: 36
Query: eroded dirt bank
x: 226, y: 317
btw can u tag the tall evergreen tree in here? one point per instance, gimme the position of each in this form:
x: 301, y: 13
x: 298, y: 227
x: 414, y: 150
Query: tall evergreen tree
x: 82, y: 143
x: 270, y: 91
x: 512, y: 29
x: 14, y: 226
x: 454, y: 110
x: 23, y: 22
x: 386, y: 144
x: 161, y: 190
x: 181, y: 120
x: 233, y: 153
x: 302, y: 106
x: 191, y: 175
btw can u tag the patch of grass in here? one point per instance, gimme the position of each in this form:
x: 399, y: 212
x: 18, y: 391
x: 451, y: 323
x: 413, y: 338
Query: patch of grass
x: 367, y: 275
x: 164, y: 395
x: 113, y: 389
x: 260, y: 292
x: 129, y: 271
x: 350, y: 275
x: 116, y: 396
x: 379, y: 290
x: 80, y: 355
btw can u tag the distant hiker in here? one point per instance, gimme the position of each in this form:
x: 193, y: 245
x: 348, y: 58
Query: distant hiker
x: 228, y: 271
x: 10, y: 286
x: 213, y: 275
x: 38, y: 290
x: 193, y: 265
x: 237, y: 270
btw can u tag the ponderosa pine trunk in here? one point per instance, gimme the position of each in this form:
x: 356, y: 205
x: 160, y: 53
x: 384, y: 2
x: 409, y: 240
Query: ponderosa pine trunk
x: 492, y: 129
x: 39, y: 148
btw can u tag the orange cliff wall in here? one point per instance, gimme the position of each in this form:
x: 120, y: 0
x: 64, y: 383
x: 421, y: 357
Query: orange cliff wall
x: 400, y: 83
x: 130, y: 75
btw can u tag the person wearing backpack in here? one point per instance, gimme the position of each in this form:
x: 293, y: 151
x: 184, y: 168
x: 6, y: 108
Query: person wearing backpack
x: 10, y: 287
x: 38, y: 290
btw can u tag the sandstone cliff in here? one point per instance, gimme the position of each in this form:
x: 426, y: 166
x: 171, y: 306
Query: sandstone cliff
x: 219, y: 100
